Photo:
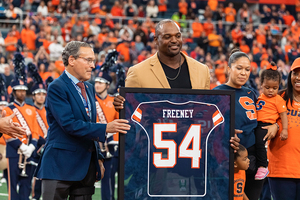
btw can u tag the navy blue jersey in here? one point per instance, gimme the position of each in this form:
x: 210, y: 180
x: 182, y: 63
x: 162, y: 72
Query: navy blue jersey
x: 245, y: 113
x: 177, y: 145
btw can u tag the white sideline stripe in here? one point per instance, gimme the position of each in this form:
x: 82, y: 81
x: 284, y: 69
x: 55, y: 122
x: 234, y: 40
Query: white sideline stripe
x: 3, y: 194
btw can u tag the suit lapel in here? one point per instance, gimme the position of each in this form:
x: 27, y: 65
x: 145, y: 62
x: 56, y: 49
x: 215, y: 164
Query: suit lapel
x: 75, y: 94
x: 158, y: 71
x: 193, y: 70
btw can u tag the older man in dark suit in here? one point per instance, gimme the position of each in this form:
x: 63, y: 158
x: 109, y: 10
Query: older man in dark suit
x: 70, y: 165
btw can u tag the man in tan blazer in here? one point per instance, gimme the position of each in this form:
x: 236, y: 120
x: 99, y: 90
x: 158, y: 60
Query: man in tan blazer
x: 150, y: 74
x: 163, y: 68
x: 169, y: 68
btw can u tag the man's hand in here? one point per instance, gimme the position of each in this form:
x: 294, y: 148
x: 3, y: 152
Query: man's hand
x: 8, y: 127
x: 119, y: 102
x: 235, y: 141
x: 102, y: 168
x: 118, y: 125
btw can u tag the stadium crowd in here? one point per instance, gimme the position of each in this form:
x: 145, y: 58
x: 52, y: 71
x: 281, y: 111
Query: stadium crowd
x: 267, y: 34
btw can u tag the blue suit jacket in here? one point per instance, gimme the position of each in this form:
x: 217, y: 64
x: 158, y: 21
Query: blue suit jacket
x: 72, y: 135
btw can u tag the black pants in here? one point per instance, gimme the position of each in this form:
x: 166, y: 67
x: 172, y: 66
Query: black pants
x: 261, y: 153
x: 77, y: 190
x: 252, y: 187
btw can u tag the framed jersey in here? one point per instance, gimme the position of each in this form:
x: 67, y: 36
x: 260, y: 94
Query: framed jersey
x: 178, y: 146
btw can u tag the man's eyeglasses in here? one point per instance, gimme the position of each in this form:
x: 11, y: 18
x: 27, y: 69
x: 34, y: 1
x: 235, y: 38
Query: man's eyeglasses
x: 88, y: 60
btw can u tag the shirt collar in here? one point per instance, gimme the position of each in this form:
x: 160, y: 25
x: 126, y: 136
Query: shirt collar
x: 73, y: 78
x: 19, y: 104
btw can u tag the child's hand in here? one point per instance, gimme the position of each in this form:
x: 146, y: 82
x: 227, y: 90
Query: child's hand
x: 284, y: 134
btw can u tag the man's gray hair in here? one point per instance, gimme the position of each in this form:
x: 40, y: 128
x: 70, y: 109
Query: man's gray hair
x: 72, y: 49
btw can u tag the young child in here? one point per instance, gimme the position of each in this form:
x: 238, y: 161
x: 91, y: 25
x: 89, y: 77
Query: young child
x: 270, y: 107
x: 241, y: 164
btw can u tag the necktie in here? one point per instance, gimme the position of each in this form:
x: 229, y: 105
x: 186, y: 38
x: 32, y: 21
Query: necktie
x: 83, y: 92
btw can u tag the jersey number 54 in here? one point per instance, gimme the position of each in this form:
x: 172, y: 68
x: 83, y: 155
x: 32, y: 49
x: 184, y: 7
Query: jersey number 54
x: 193, y: 136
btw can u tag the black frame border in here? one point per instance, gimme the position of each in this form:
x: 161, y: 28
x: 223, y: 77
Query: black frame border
x: 124, y: 90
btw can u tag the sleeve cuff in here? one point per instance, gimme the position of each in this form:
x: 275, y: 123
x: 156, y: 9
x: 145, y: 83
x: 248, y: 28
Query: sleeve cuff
x: 15, y: 143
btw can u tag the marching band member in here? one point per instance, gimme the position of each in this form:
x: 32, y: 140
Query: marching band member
x: 3, y: 104
x: 19, y: 150
x: 106, y: 113
x: 39, y: 96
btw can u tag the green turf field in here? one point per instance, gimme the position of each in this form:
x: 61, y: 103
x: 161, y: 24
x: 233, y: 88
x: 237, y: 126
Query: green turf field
x: 96, y: 196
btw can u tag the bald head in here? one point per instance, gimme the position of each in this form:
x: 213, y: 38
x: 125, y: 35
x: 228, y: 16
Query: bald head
x: 160, y: 25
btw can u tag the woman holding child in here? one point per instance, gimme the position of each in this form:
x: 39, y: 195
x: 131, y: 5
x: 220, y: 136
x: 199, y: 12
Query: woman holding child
x: 246, y: 116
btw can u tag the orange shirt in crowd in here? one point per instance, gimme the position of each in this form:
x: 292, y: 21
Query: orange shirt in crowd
x: 30, y: 40
x: 213, y: 4
x: 255, y: 50
x: 208, y: 28
x: 124, y: 50
x: 295, y: 30
x: 98, y: 21
x: 260, y: 38
x: 59, y: 65
x: 11, y: 39
x: 141, y: 58
x: 264, y: 63
x: 110, y: 24
x: 16, y: 34
x: 245, y: 48
x: 116, y: 11
x: 237, y: 36
x: 220, y: 74
x: 216, y: 42
x: 86, y: 26
x: 285, y: 32
x: 239, y: 184
x: 162, y: 7
x: 46, y: 44
x: 288, y: 19
x: 45, y: 75
x: 297, y: 5
x: 287, y: 48
x: 24, y: 34
x: 101, y: 37
x: 268, y: 109
x: 95, y: 6
x: 55, y: 2
x: 197, y: 29
x: 183, y: 7
x: 113, y: 40
x: 230, y: 14
x: 213, y: 85
x: 253, y: 65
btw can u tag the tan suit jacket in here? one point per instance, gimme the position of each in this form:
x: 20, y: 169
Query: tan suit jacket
x: 150, y: 74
